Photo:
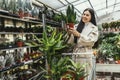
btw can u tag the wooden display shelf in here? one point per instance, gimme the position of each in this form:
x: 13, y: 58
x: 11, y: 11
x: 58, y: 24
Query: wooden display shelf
x: 108, y: 68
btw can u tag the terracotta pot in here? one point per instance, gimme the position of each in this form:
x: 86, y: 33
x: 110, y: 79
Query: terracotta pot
x: 21, y: 13
x: 19, y: 44
x: 81, y: 78
x: 26, y: 14
x: 118, y: 61
x: 64, y: 79
x: 70, y: 25
x: 70, y: 73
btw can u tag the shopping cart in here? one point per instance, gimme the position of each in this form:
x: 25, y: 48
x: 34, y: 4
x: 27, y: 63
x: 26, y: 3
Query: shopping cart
x: 85, y: 58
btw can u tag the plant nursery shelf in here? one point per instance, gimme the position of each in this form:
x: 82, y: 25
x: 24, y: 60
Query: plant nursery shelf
x: 21, y: 64
x: 20, y: 19
x: 11, y: 48
x: 108, y: 68
x: 11, y: 67
x: 115, y: 32
x: 17, y: 33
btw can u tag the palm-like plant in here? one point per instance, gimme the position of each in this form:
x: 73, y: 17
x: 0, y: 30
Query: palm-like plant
x: 78, y: 69
x: 49, y: 44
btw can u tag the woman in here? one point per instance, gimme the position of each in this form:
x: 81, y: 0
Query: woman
x: 85, y: 36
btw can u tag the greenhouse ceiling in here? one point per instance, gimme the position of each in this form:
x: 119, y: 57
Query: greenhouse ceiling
x: 101, y: 7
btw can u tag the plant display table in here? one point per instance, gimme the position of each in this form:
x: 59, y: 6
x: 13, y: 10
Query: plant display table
x: 108, y: 68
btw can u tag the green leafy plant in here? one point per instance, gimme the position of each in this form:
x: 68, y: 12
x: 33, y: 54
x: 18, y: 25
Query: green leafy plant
x: 65, y: 68
x: 78, y: 69
x: 109, y: 47
x: 18, y: 39
x: 57, y: 69
x: 50, y: 44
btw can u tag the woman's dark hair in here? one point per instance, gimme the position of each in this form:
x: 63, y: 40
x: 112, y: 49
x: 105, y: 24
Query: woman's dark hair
x: 81, y: 24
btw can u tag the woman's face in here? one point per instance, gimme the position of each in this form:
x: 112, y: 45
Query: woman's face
x: 86, y: 17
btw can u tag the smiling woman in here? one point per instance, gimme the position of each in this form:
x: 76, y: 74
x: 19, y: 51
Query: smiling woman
x: 85, y: 36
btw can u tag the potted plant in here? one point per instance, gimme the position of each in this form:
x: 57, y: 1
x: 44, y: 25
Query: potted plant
x: 70, y: 16
x: 21, y: 6
x: 19, y: 42
x: 76, y: 70
x: 57, y: 69
x: 49, y: 44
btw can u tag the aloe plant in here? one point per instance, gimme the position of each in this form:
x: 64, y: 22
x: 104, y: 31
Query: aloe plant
x: 50, y: 43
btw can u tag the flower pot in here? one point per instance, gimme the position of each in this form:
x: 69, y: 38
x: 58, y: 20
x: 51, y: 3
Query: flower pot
x: 21, y: 13
x: 19, y: 44
x: 70, y: 25
x: 70, y: 73
x: 117, y: 62
x: 82, y: 78
x: 64, y: 79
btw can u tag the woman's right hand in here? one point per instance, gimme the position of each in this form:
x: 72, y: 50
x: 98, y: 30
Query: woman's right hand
x: 74, y: 32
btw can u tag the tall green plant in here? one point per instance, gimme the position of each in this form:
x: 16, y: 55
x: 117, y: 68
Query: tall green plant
x: 71, y: 14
